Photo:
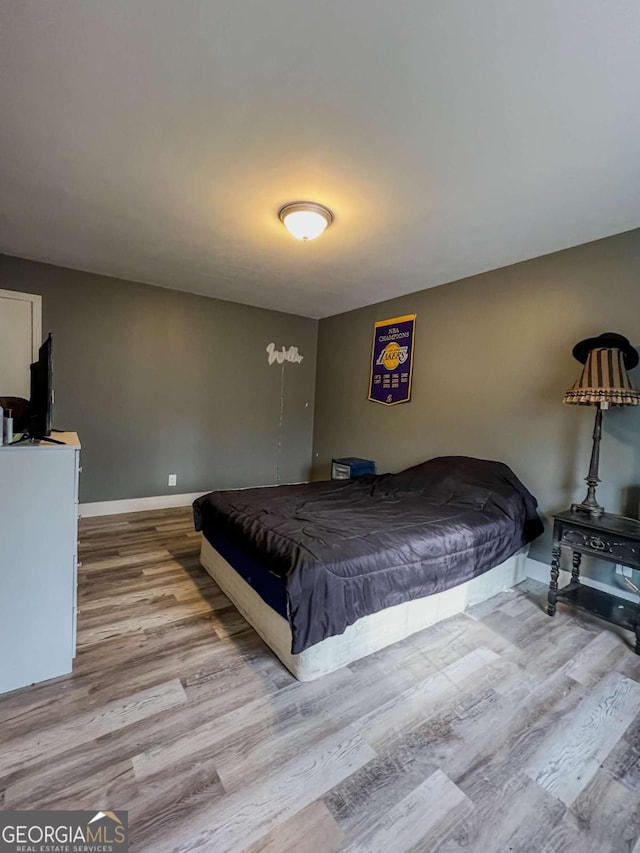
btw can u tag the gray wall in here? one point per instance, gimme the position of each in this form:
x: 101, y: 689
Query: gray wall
x: 492, y: 361
x: 158, y: 382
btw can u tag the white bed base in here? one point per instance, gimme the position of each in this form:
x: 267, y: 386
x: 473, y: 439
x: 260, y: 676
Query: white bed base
x: 367, y: 635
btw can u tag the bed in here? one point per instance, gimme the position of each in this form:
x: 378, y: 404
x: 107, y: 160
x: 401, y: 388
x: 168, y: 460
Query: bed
x: 329, y: 572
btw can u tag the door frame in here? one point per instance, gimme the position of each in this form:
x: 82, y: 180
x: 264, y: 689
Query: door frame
x: 36, y: 315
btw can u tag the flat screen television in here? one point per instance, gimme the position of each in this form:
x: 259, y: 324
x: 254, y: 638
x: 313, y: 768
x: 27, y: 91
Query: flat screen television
x: 41, y: 399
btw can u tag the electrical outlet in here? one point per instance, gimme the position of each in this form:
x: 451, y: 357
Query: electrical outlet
x: 173, y: 479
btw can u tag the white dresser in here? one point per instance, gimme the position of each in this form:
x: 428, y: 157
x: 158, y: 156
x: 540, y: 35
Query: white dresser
x: 38, y: 560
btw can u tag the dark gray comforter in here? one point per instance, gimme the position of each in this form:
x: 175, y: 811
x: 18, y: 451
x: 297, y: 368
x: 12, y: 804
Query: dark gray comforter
x: 348, y: 549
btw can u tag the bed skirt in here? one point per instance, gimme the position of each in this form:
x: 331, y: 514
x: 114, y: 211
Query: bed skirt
x: 367, y: 635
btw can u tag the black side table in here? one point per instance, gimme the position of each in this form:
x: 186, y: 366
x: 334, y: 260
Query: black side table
x: 610, y: 537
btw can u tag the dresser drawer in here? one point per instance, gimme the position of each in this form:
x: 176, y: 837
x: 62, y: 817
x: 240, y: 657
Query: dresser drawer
x: 602, y: 545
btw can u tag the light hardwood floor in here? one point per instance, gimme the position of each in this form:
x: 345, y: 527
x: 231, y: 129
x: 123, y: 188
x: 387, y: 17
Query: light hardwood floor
x: 497, y: 730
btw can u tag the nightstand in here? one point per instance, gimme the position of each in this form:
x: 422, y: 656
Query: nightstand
x: 610, y: 537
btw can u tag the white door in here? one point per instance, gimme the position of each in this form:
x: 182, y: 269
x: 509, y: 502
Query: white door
x: 20, y: 339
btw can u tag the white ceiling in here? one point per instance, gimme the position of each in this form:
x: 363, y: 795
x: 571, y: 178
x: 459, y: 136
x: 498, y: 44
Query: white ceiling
x: 156, y: 139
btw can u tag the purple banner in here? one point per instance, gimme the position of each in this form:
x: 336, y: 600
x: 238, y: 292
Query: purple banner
x: 392, y: 360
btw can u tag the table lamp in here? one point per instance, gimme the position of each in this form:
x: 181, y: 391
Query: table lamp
x: 603, y: 382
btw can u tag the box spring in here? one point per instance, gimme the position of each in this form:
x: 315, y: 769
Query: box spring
x: 367, y: 635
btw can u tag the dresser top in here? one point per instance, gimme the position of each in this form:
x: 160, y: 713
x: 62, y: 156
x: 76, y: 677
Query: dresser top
x: 70, y: 439
x: 608, y: 523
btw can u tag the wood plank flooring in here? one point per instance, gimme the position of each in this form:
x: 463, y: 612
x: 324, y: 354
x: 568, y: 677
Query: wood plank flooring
x: 497, y: 730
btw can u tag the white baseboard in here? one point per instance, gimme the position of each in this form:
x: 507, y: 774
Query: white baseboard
x: 90, y: 510
x: 540, y: 572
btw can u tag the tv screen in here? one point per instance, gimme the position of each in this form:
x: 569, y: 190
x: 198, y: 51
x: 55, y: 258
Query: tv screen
x: 41, y: 402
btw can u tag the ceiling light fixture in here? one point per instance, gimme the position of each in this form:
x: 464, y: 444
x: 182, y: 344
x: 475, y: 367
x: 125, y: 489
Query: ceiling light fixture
x: 306, y: 220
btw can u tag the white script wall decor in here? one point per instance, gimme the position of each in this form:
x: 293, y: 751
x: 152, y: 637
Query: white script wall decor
x: 291, y: 354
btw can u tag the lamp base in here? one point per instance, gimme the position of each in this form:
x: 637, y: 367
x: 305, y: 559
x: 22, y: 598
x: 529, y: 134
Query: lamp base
x: 592, y: 510
x: 590, y: 505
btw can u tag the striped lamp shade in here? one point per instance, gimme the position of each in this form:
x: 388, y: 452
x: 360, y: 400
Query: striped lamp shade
x: 604, y: 379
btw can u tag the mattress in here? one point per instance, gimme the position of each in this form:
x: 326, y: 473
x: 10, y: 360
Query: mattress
x: 370, y: 633
x: 270, y: 587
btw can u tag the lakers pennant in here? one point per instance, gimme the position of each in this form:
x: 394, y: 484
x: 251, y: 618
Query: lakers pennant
x: 392, y: 360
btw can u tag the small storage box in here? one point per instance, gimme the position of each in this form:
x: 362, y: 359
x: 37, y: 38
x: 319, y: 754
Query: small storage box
x: 351, y: 466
